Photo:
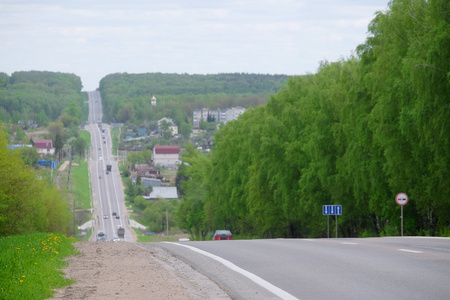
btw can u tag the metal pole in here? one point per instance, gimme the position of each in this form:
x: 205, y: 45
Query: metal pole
x: 336, y: 227
x: 328, y: 226
x: 167, y: 221
x: 402, y: 217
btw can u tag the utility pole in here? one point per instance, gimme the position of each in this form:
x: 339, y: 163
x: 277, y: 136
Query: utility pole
x: 167, y: 222
x: 68, y: 177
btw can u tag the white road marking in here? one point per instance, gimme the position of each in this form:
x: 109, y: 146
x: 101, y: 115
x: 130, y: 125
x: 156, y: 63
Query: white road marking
x: 349, y: 243
x: 412, y: 251
x: 258, y: 280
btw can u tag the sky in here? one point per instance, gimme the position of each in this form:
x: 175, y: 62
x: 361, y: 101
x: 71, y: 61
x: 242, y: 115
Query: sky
x: 95, y: 38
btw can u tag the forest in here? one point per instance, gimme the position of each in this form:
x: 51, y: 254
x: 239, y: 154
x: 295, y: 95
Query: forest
x: 356, y: 133
x: 126, y: 97
x: 37, y: 95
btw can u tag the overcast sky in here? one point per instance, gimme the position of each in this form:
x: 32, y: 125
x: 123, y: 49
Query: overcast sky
x: 94, y: 38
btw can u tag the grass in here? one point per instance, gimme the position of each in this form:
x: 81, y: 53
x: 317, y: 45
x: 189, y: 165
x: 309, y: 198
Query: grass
x: 30, y: 265
x: 114, y: 134
x: 81, y: 187
x: 86, y: 135
x: 174, y: 235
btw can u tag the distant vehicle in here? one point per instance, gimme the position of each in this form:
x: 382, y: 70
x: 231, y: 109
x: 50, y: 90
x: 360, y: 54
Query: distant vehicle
x: 101, y: 237
x: 117, y: 217
x: 114, y: 213
x: 107, y: 172
x: 100, y: 158
x: 115, y: 239
x: 99, y: 148
x: 222, y: 235
x: 105, y: 217
x: 108, y: 168
x: 104, y: 142
x: 120, y: 231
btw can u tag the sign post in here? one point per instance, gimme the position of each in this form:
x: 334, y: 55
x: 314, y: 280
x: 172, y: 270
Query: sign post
x: 331, y: 210
x: 401, y: 200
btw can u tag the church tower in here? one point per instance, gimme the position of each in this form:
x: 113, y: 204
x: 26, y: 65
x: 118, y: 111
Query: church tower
x: 153, y: 101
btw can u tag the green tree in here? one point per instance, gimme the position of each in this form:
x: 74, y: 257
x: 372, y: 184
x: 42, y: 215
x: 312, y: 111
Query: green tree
x: 29, y: 155
x: 79, y: 146
x: 27, y: 204
x: 191, y: 213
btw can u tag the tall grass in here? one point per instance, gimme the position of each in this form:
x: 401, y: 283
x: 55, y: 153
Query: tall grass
x: 81, y: 187
x: 30, y: 265
x: 114, y: 134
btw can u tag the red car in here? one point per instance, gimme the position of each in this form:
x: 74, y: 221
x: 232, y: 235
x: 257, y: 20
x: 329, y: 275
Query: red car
x: 222, y: 235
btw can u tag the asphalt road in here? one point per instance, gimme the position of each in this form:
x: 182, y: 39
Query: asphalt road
x: 107, y: 189
x: 370, y: 268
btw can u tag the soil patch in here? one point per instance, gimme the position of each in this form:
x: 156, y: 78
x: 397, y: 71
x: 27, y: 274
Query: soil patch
x: 122, y: 270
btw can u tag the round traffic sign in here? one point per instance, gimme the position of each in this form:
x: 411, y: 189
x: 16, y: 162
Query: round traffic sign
x: 401, y: 199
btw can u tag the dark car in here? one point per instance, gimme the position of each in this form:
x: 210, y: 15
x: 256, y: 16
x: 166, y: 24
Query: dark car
x: 101, y: 237
x: 222, y: 235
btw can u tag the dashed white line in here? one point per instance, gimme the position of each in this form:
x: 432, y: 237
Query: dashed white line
x: 412, y: 251
x: 349, y: 243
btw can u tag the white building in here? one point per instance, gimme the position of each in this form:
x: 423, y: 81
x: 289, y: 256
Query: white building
x: 165, y: 155
x: 219, y: 115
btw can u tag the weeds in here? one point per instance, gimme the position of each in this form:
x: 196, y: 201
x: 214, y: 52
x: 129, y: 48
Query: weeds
x: 30, y: 265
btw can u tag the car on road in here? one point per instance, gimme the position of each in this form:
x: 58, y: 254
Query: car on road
x: 107, y: 172
x: 105, y: 217
x: 101, y: 237
x: 117, y: 217
x: 222, y: 235
x: 114, y: 213
x: 100, y: 158
x: 116, y: 239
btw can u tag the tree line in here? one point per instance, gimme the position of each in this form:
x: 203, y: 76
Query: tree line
x: 356, y: 133
x: 38, y: 95
x: 126, y: 97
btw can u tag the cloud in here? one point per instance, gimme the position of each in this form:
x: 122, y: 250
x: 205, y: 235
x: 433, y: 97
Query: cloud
x: 95, y: 38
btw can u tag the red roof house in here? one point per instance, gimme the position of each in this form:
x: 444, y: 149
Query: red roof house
x: 165, y: 155
x: 44, y: 147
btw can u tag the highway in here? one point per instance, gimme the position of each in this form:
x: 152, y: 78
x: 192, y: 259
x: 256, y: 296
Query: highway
x: 370, y: 268
x: 106, y: 188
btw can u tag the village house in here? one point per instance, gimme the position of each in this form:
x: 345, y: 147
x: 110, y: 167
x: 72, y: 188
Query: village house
x: 44, y: 147
x: 165, y: 155
x: 163, y: 192
x: 144, y: 170
x: 172, y: 126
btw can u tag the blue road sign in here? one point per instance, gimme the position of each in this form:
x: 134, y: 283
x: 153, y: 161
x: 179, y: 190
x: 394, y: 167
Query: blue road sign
x: 332, y: 210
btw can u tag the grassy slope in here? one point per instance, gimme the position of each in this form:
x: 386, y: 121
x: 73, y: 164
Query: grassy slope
x: 30, y: 265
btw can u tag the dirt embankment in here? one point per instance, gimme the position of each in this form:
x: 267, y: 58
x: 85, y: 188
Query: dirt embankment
x: 122, y: 270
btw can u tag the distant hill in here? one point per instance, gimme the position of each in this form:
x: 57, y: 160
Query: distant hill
x: 126, y: 97
x: 37, y: 95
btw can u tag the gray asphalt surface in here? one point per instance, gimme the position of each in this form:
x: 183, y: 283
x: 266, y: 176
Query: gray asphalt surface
x: 371, y: 268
